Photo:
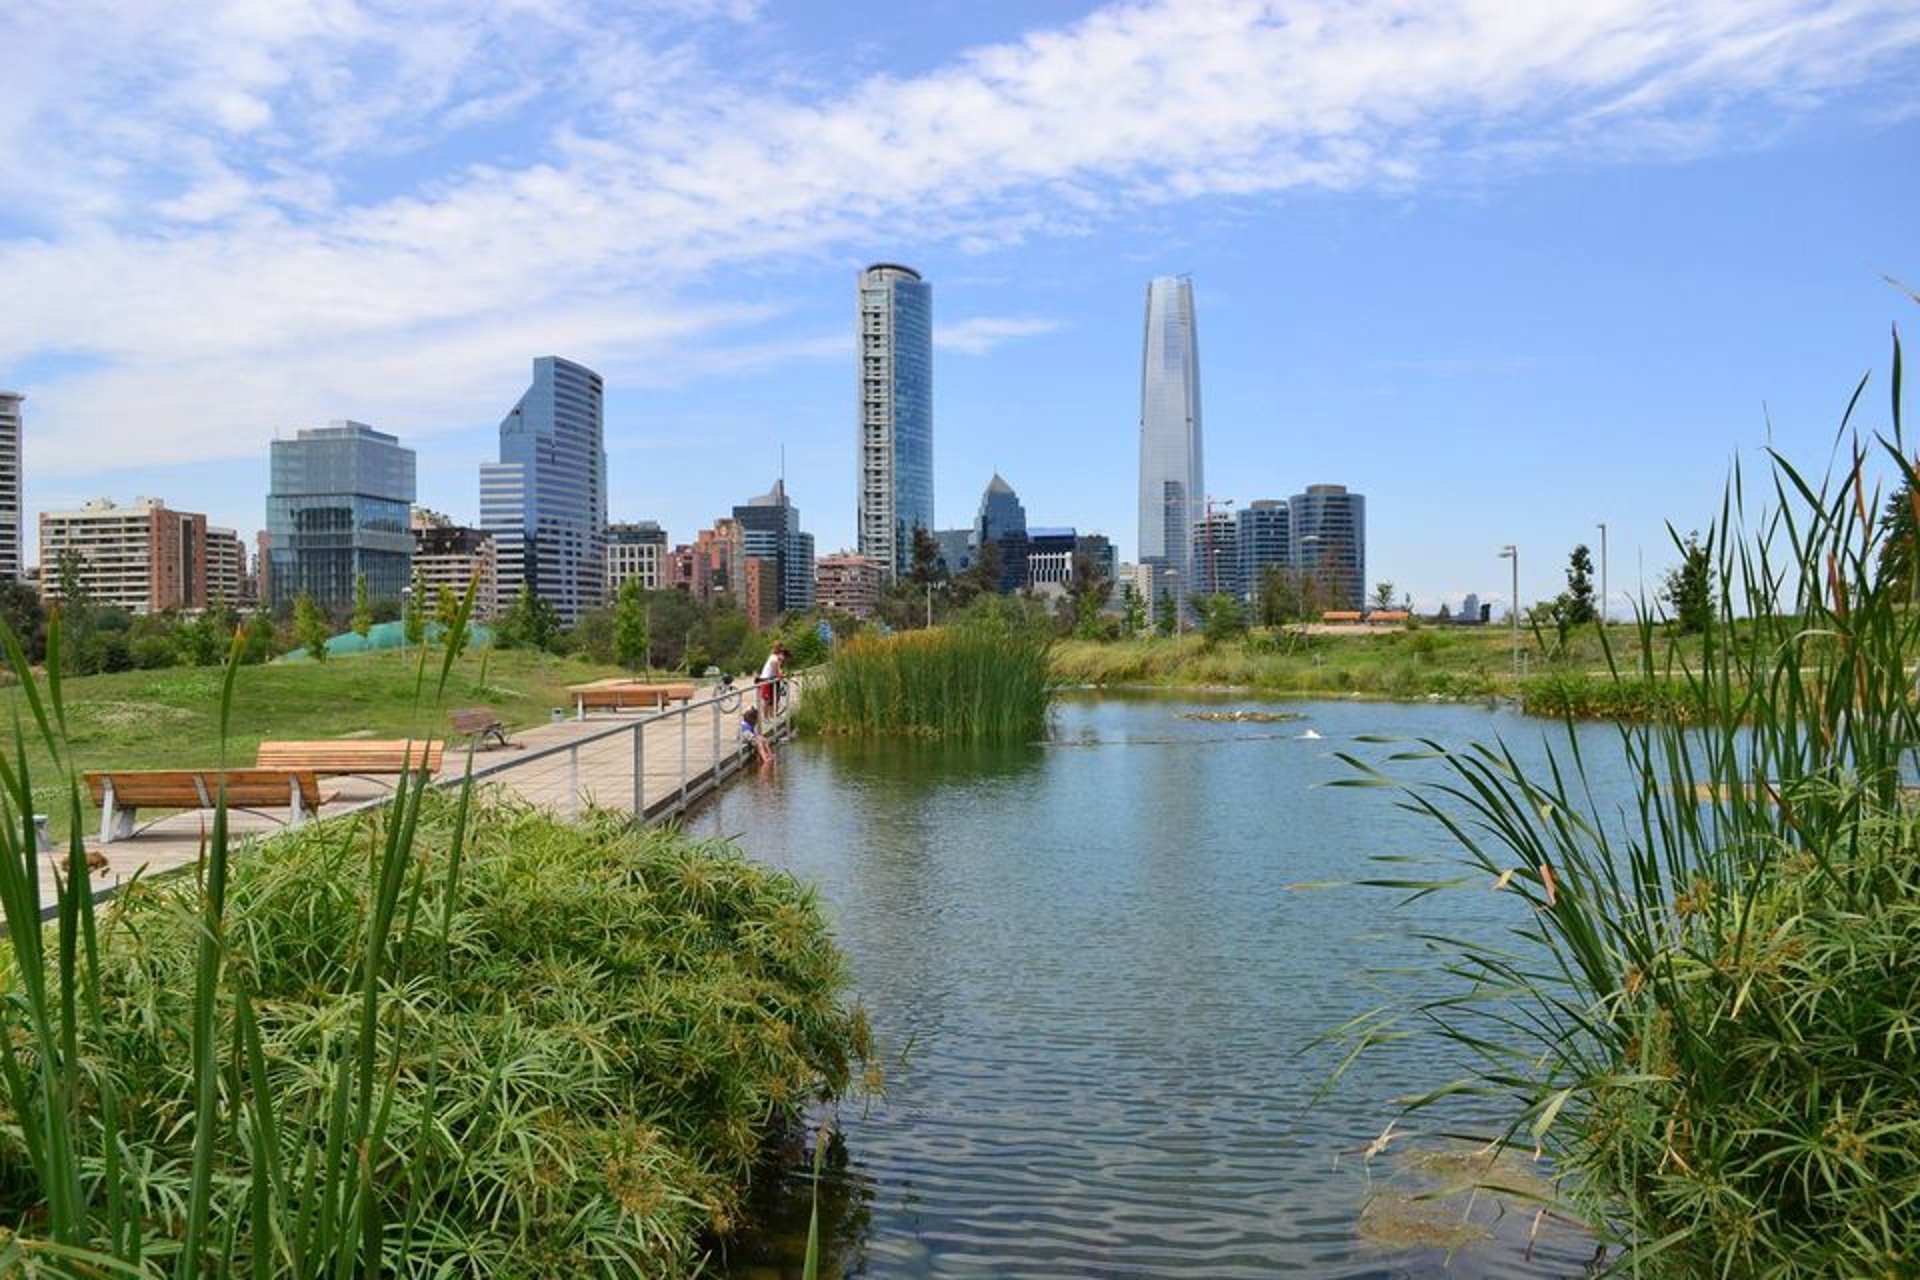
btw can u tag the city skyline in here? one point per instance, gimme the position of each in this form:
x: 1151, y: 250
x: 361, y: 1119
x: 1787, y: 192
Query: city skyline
x: 1463, y: 285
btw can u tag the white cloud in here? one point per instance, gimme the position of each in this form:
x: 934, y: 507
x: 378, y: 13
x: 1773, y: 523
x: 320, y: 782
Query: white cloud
x: 977, y: 335
x: 216, y: 233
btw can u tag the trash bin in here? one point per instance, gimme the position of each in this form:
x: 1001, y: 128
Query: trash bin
x: 42, y: 837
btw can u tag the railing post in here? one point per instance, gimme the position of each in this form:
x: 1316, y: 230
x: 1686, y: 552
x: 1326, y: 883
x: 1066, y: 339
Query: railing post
x: 573, y: 780
x: 683, y: 757
x: 716, y: 743
x: 640, y: 771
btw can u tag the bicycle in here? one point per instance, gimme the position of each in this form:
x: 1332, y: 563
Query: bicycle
x: 728, y: 693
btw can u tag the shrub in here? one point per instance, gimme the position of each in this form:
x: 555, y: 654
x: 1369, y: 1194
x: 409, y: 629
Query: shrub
x: 985, y: 679
x: 446, y: 1038
x: 1706, y: 1013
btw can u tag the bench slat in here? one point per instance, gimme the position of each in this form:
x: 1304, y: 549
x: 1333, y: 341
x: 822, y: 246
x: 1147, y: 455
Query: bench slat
x: 180, y: 788
x: 351, y: 756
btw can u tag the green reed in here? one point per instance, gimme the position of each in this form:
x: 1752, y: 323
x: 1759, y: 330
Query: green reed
x: 451, y: 1036
x: 1706, y: 1012
x: 981, y: 680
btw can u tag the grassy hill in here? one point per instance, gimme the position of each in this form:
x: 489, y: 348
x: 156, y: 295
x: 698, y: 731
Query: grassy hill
x: 171, y: 717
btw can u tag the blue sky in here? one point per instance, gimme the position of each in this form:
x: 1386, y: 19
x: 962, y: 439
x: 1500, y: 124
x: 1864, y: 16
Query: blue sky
x: 1510, y: 270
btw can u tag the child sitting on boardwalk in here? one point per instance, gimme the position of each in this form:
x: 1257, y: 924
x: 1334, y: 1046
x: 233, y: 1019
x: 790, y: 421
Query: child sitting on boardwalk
x: 750, y: 732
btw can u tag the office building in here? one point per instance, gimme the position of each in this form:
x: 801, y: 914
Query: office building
x: 1264, y: 540
x: 1216, y: 555
x: 1002, y: 521
x: 1327, y: 528
x: 896, y: 413
x: 454, y: 556
x: 637, y: 550
x: 850, y: 583
x: 714, y: 565
x: 770, y: 530
x: 545, y: 501
x: 1097, y: 550
x: 12, y: 519
x: 1172, y: 484
x: 227, y: 576
x: 956, y: 550
x: 338, y: 508
x: 143, y: 558
x: 1050, y: 553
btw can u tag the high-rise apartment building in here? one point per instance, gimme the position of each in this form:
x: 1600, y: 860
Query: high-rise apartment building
x: 545, y: 501
x: 453, y: 557
x: 1216, y: 555
x: 337, y: 509
x: 850, y: 583
x: 637, y: 550
x: 1002, y: 521
x: 227, y: 576
x: 143, y: 558
x: 896, y: 413
x: 1172, y: 483
x: 12, y: 532
x: 1264, y: 540
x: 770, y: 530
x: 1328, y: 531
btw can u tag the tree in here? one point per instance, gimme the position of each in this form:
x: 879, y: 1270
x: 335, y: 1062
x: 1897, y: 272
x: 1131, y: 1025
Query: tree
x: 1688, y: 588
x: 1088, y: 592
x: 310, y: 627
x: 362, y: 607
x: 261, y: 640
x: 926, y: 558
x: 1166, y: 614
x: 1221, y: 619
x: 630, y: 639
x: 1134, y: 609
x: 531, y: 622
x: 1900, y: 545
x: 1577, y: 607
x: 25, y: 616
x: 1277, y: 598
x: 985, y: 570
x: 1382, y: 595
x: 413, y: 620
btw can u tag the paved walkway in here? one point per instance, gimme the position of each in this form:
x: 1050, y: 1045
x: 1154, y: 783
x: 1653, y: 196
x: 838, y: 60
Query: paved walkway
x: 537, y: 768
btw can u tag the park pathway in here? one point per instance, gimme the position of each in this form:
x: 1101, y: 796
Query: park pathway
x: 564, y: 766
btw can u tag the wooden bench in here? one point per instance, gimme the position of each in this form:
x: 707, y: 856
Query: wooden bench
x: 122, y: 794
x: 479, y: 722
x: 617, y: 694
x: 352, y: 756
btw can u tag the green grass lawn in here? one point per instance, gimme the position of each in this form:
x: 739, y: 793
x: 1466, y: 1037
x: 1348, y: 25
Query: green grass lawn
x: 170, y: 718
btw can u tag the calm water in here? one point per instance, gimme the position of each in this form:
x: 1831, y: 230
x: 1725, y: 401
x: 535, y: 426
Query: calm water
x: 1096, y: 993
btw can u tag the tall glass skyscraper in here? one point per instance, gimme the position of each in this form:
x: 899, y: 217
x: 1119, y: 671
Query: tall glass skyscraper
x: 339, y: 506
x: 1265, y: 539
x: 545, y: 501
x: 1329, y: 543
x: 1172, y: 487
x: 896, y: 413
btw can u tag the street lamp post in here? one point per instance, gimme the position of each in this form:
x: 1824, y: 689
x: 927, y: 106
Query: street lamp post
x: 1603, y: 572
x: 1512, y: 552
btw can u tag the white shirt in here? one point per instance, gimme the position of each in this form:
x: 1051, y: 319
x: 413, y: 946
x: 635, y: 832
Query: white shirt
x: 771, y: 671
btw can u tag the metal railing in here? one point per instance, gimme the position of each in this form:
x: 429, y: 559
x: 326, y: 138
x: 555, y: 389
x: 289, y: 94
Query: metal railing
x: 693, y: 777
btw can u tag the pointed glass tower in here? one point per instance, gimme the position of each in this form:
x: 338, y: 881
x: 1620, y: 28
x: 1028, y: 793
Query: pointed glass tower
x: 1172, y: 488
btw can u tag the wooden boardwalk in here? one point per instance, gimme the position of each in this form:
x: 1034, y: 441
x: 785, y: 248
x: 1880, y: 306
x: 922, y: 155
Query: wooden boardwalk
x: 538, y: 768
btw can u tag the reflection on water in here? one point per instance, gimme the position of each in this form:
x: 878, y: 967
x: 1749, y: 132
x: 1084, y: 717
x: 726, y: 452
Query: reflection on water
x: 1099, y: 997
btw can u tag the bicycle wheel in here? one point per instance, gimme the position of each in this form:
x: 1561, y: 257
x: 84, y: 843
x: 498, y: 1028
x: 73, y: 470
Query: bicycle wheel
x: 730, y: 700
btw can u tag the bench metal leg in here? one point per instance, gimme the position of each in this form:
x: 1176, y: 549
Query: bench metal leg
x: 115, y: 823
x: 296, y: 803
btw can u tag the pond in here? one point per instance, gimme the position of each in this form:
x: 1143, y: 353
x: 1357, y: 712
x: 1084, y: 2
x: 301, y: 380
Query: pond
x: 1097, y: 983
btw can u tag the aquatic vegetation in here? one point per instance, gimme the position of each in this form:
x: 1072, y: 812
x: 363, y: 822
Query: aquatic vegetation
x: 1710, y: 1021
x: 451, y: 1037
x: 982, y: 680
